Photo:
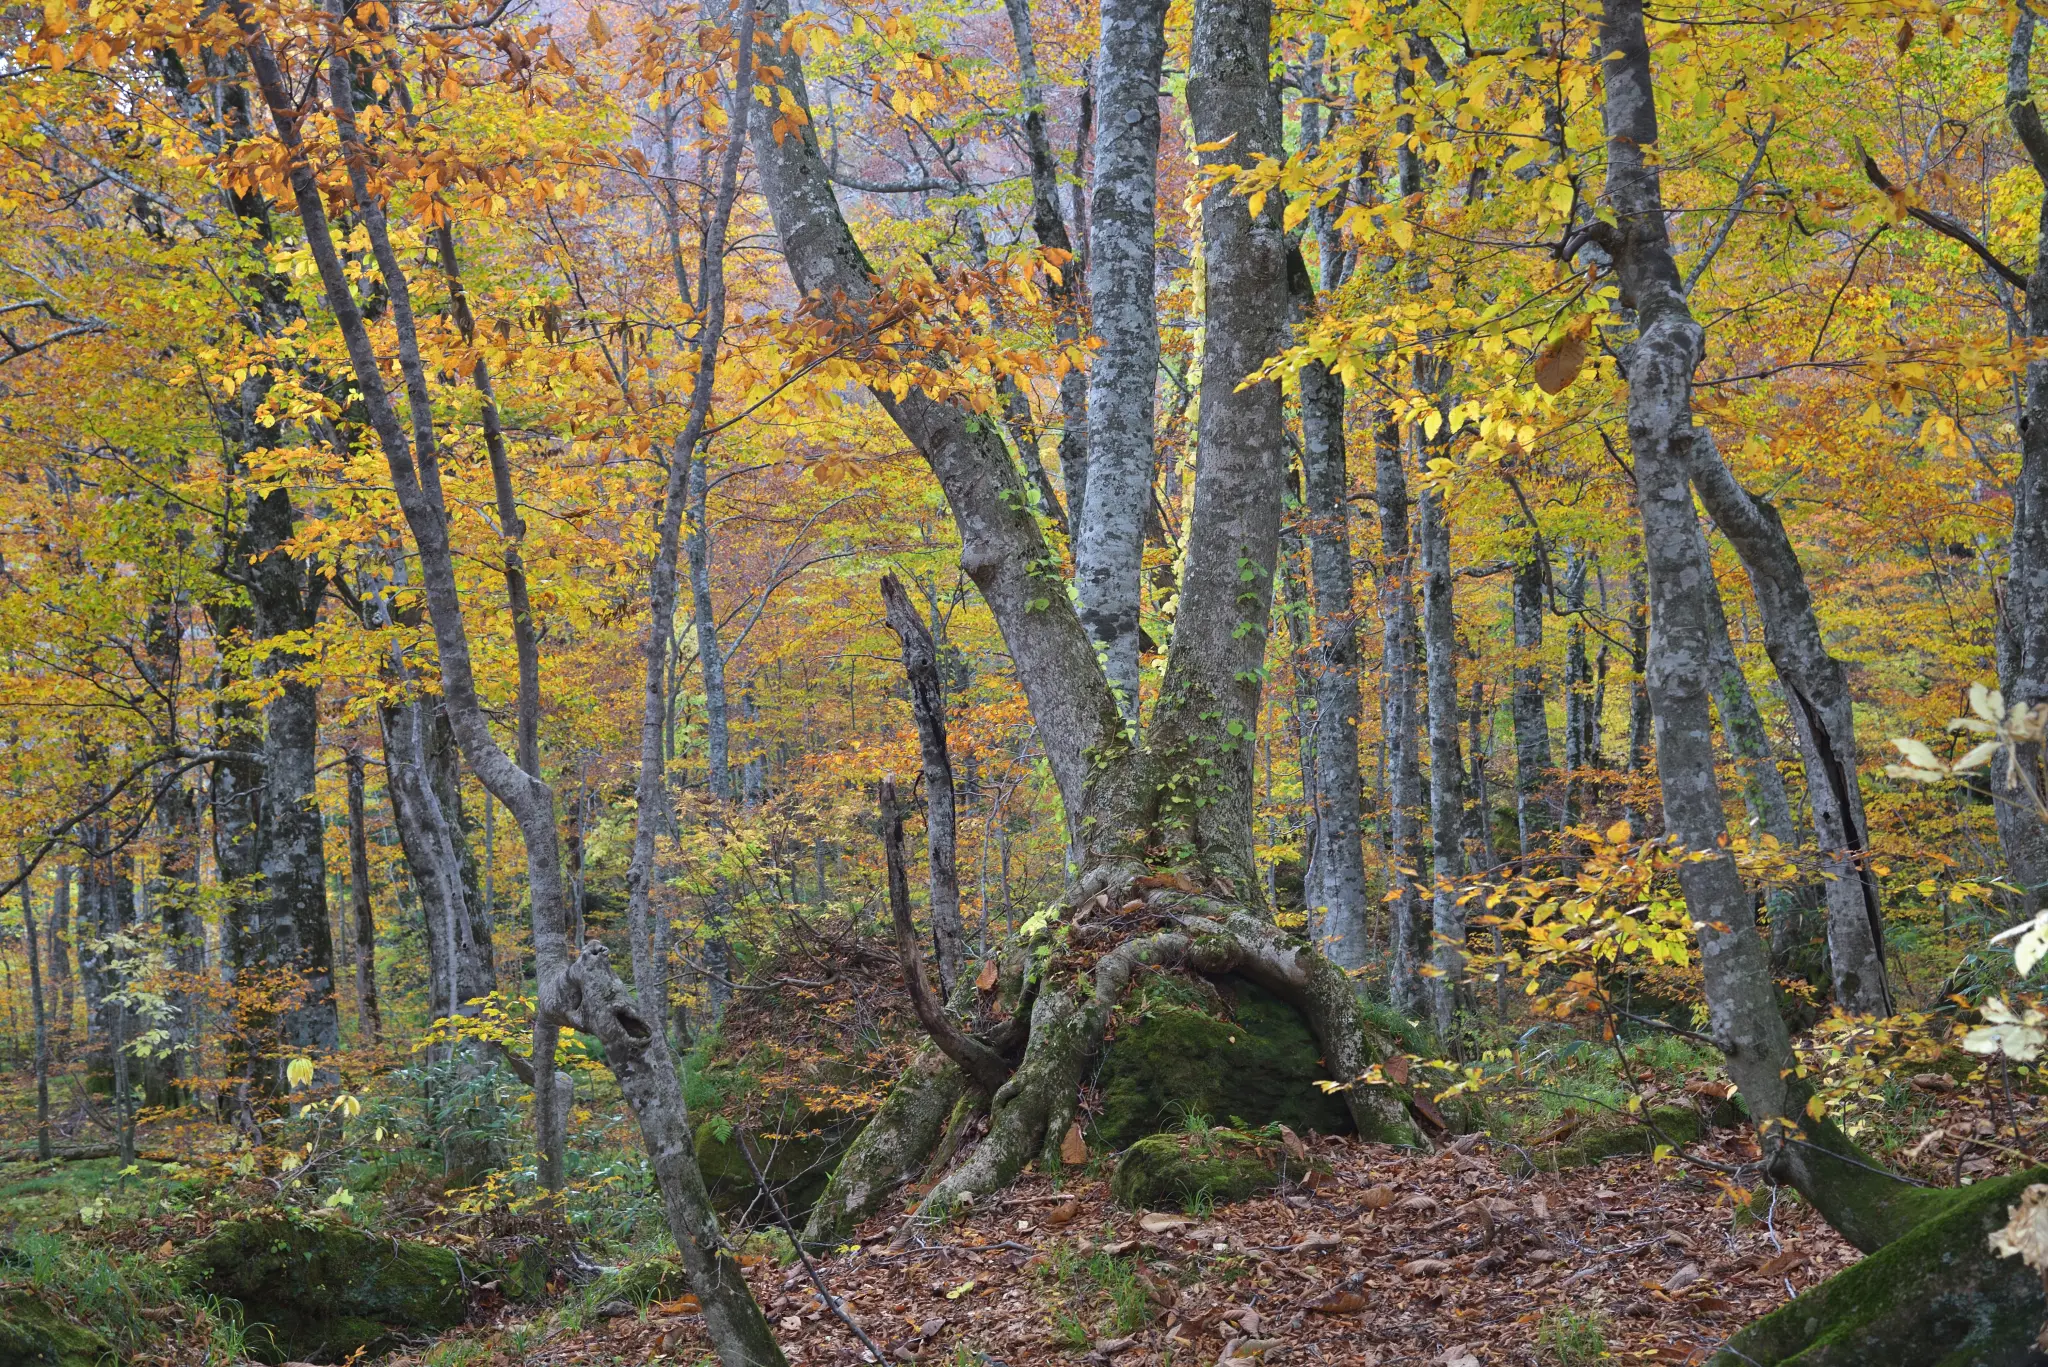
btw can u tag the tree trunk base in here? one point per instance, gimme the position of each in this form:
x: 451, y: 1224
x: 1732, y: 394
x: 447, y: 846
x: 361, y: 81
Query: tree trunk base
x: 1099, y: 947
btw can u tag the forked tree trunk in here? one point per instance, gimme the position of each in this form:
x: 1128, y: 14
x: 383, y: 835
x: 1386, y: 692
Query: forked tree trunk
x: 1188, y: 792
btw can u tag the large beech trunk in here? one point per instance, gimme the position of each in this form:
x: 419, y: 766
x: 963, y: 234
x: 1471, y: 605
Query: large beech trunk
x: 1184, y: 799
x: 1401, y: 718
x: 1123, y: 377
x: 1866, y: 1205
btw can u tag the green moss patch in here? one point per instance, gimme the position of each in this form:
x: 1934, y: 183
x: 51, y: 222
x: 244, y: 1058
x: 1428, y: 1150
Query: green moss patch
x: 1612, y: 1135
x: 318, y: 1290
x: 1211, y: 1167
x: 32, y: 1334
x: 1234, y: 1052
x: 1935, y: 1297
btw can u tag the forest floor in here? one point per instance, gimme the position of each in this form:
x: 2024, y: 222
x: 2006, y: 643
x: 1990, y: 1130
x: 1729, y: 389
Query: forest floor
x: 1397, y: 1258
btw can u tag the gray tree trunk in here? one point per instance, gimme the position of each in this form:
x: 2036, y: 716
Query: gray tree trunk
x: 1402, y: 730
x: 928, y: 707
x: 1581, y: 719
x: 1527, y: 711
x: 588, y: 998
x: 420, y: 779
x: 1341, y: 893
x: 2023, y: 601
x: 1864, y: 1204
x: 369, y: 1020
x: 710, y: 655
x: 1123, y: 376
x: 1823, y: 717
x: 60, y: 950
x: 1207, y: 720
x: 1446, y: 767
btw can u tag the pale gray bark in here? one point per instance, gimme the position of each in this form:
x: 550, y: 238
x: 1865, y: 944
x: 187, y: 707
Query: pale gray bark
x: 421, y: 782
x: 1823, y: 717
x: 1002, y: 548
x: 2023, y: 598
x: 60, y: 950
x: 1863, y: 1204
x: 369, y: 1019
x: 1581, y: 717
x: 1206, y: 723
x: 1526, y: 711
x: 1051, y: 229
x: 1109, y: 522
x: 40, y: 1014
x: 1446, y: 767
x: 710, y: 654
x: 1402, y: 732
x: 1340, y: 893
x: 589, y: 997
x: 928, y: 708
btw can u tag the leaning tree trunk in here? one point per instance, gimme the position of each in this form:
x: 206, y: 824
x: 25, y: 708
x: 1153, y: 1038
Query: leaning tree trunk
x: 1866, y: 1205
x: 1823, y: 717
x: 589, y: 996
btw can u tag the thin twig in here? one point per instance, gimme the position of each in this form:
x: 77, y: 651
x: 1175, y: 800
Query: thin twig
x: 832, y: 1302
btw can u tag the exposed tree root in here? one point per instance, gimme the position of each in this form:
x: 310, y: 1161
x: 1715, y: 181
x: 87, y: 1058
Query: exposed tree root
x: 1107, y: 942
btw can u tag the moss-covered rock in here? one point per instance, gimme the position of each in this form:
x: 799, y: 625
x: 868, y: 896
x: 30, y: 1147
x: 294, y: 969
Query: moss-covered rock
x: 32, y: 1334
x: 318, y: 1290
x: 1214, y: 1167
x: 797, y: 1164
x: 524, y: 1276
x: 1232, y: 1052
x: 1612, y: 1135
x: 1935, y: 1297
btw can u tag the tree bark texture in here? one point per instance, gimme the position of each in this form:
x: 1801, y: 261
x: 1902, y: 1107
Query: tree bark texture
x: 1206, y: 724
x: 1123, y: 375
x: 1867, y: 1206
x: 369, y: 1019
x: 928, y: 707
x: 420, y: 777
x: 1823, y: 717
x: 1446, y: 767
x: 1341, y: 890
x: 1402, y: 728
x: 2023, y: 599
x: 1527, y: 713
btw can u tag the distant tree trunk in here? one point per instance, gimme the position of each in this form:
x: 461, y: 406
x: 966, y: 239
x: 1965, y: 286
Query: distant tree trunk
x: 1581, y: 746
x: 369, y: 1019
x: 1639, y: 719
x: 1341, y: 893
x: 1402, y: 730
x: 1109, y: 504
x: 1532, y: 726
x: 1050, y: 227
x: 60, y: 949
x: 175, y: 889
x: 928, y: 707
x: 422, y: 782
x: 106, y: 950
x: 710, y: 656
x: 42, y: 1022
x: 1446, y: 767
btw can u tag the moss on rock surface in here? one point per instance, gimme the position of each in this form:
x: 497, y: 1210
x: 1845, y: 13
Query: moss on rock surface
x: 319, y: 1290
x: 797, y: 1164
x: 1233, y: 1052
x: 34, y: 1335
x: 1217, y: 1167
x: 1611, y: 1136
x: 1935, y: 1297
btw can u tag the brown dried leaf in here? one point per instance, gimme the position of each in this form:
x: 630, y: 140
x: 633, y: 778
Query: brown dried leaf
x: 1341, y: 1302
x: 1157, y: 1222
x: 1395, y: 1069
x: 1074, y: 1148
x: 986, y: 979
x: 1783, y: 1263
x: 1558, y: 364
x: 1063, y: 1213
x: 1380, y: 1197
x: 1426, y: 1267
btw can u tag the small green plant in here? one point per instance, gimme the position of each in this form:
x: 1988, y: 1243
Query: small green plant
x: 455, y: 1353
x: 1071, y: 1332
x: 1572, y: 1336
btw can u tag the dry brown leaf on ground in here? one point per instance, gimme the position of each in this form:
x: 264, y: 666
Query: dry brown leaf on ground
x: 1157, y: 1222
x: 1074, y: 1148
x: 1425, y: 1267
x: 1342, y: 1301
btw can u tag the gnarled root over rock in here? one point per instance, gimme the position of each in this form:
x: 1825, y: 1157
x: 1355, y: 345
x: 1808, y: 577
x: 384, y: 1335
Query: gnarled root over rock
x: 1070, y: 1016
